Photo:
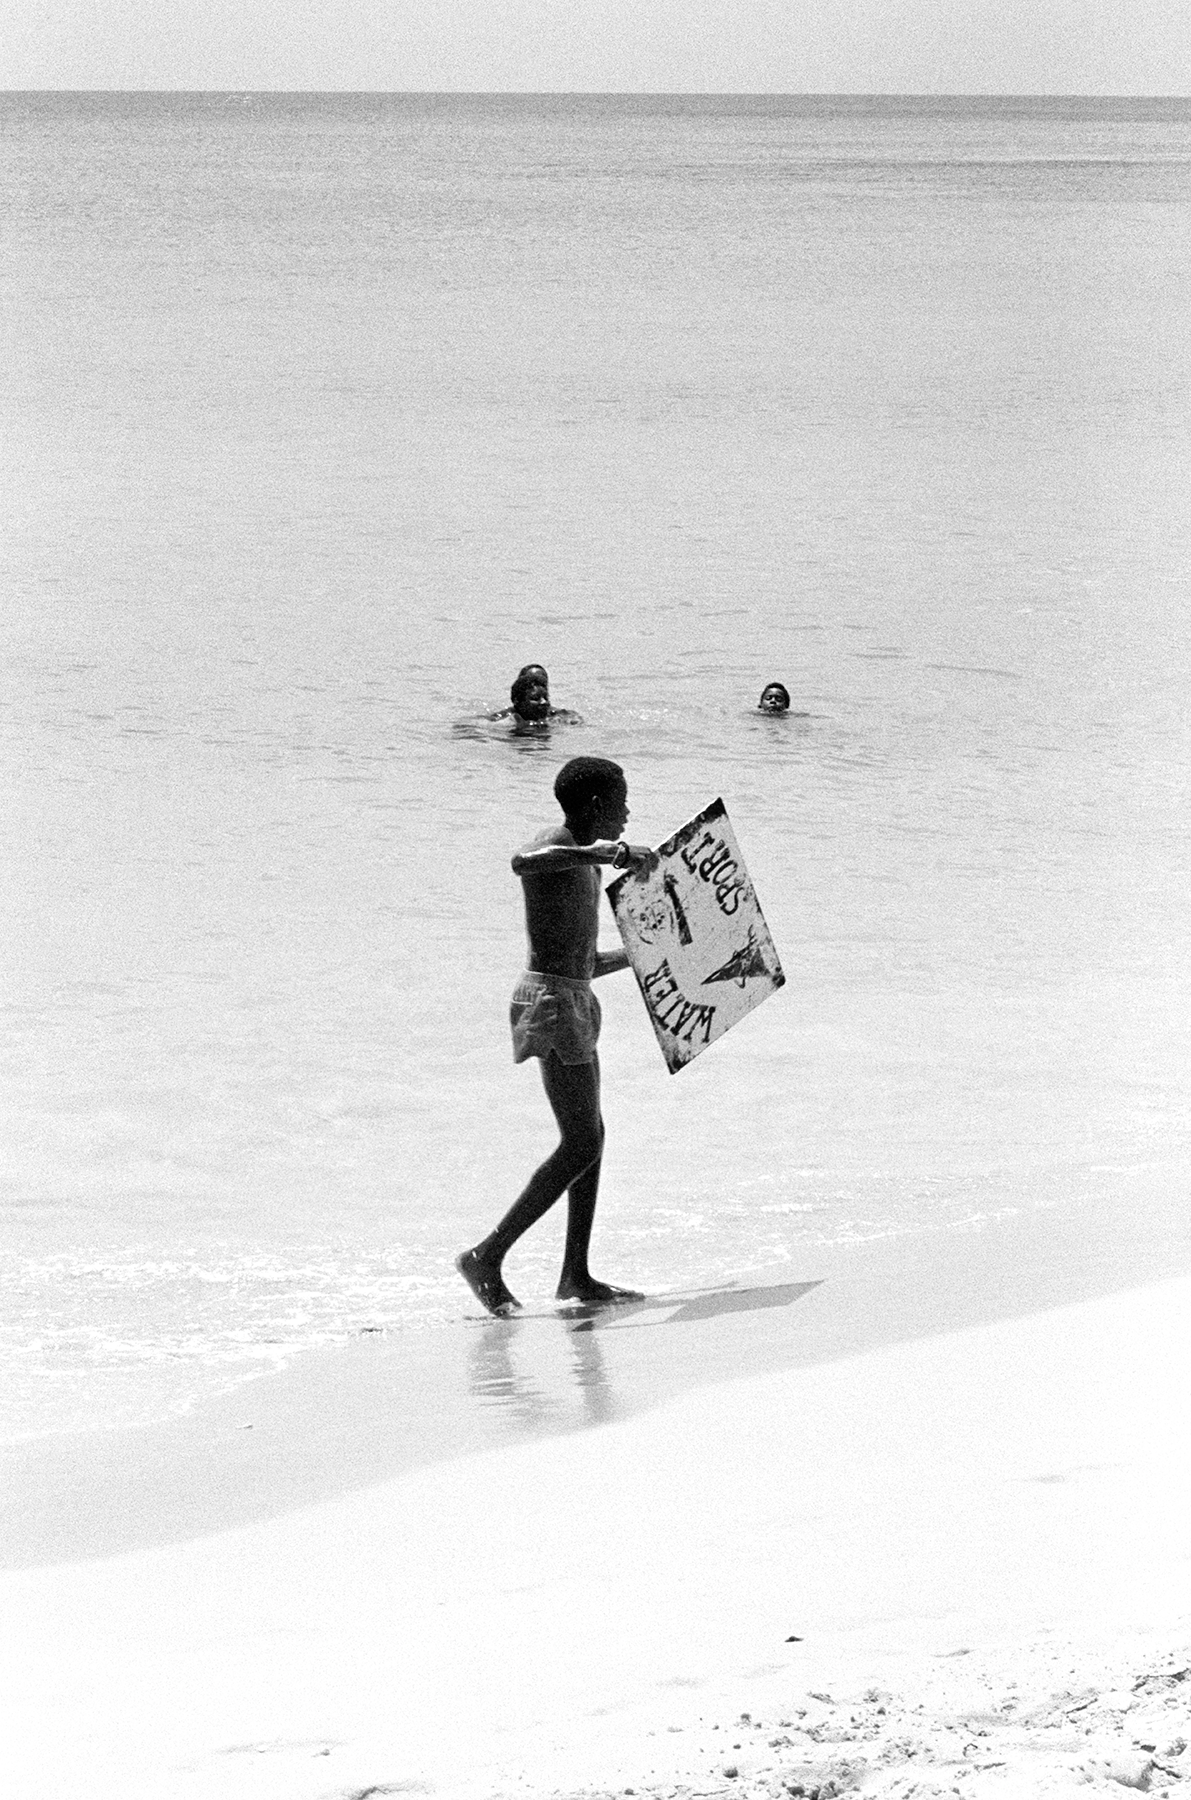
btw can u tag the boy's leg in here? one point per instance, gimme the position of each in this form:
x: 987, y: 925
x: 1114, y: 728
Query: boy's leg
x: 576, y: 1281
x: 573, y: 1090
x: 581, y: 1204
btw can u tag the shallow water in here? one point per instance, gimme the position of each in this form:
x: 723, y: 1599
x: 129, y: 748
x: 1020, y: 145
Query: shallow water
x: 324, y: 414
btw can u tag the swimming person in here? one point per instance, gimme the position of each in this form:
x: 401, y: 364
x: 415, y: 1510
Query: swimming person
x: 530, y: 696
x: 774, y: 699
x: 556, y: 1017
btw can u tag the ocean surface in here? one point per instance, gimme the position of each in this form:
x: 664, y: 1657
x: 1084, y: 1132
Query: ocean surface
x: 322, y: 414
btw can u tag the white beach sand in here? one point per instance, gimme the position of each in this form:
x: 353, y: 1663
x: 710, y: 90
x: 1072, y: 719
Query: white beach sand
x: 953, y: 1566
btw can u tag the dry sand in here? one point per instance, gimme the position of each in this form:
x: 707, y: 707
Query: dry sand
x: 952, y: 1566
x: 1050, y: 1715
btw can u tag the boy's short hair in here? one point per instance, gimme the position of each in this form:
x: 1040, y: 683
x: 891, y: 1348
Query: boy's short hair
x: 587, y: 778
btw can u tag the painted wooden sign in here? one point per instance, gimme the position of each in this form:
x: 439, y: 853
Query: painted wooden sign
x: 695, y: 936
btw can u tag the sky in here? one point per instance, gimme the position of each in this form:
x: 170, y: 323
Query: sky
x: 633, y: 46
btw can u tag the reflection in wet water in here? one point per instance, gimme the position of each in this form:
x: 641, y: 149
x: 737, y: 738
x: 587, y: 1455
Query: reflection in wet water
x: 550, y: 1374
x: 513, y: 1367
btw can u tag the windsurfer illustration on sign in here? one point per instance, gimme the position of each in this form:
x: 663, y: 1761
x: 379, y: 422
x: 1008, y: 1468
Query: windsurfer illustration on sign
x: 748, y: 959
x: 556, y: 1017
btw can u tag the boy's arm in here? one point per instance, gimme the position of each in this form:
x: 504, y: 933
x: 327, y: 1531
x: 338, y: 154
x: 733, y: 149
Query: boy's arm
x: 607, y: 962
x: 556, y: 859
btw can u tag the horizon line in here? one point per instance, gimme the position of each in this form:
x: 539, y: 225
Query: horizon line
x: 611, y: 93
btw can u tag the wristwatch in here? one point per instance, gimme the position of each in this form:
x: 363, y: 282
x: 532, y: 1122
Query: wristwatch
x: 620, y: 856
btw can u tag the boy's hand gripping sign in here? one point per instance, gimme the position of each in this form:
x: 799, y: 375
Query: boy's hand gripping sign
x: 695, y: 936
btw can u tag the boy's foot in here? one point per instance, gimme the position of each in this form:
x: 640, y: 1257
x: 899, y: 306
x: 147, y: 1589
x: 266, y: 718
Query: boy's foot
x: 486, y: 1284
x: 596, y: 1293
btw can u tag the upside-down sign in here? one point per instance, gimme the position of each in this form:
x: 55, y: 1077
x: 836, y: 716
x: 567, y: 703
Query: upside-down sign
x: 695, y: 936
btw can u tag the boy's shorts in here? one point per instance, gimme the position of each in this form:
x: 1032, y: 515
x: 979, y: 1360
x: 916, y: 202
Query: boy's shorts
x: 552, y: 1013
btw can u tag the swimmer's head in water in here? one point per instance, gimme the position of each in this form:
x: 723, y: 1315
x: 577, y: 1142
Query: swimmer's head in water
x: 774, y: 699
x: 530, y: 693
x: 593, y: 791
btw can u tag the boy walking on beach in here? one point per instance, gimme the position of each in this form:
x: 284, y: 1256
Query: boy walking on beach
x: 556, y: 1017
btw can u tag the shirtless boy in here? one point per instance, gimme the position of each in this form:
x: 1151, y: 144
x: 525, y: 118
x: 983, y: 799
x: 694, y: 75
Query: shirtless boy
x: 555, y: 1016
